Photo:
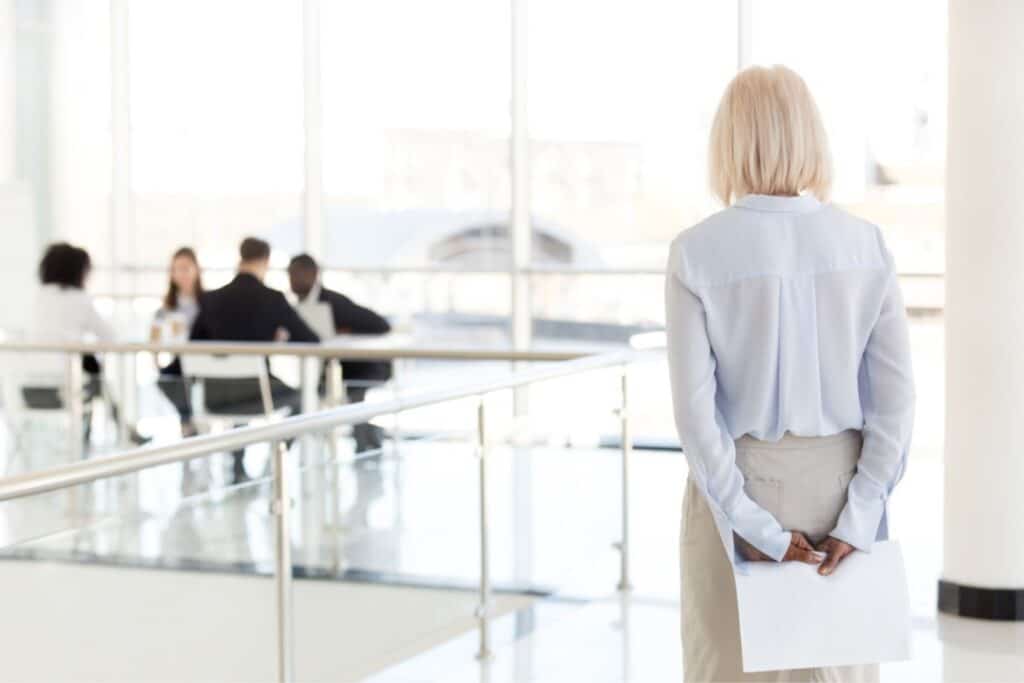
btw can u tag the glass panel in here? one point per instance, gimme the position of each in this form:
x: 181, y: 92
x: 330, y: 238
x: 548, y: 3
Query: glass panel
x: 884, y: 108
x: 415, y: 151
x: 621, y: 100
x: 217, y: 129
x: 55, y: 151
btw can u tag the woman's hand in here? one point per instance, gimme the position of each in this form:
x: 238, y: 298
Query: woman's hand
x: 800, y: 550
x: 835, y: 552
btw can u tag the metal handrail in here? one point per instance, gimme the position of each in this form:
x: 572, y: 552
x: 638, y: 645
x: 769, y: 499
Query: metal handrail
x: 301, y: 349
x: 448, y: 270
x: 145, y: 457
x: 136, y: 460
x: 333, y: 351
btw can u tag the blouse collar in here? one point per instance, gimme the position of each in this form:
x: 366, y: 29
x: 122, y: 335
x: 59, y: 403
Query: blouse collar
x: 804, y: 203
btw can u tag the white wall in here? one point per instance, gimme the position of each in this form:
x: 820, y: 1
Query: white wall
x: 19, y: 250
x: 7, y: 111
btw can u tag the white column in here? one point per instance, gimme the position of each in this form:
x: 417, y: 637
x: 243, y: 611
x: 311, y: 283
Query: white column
x: 122, y: 200
x: 984, y: 455
x: 313, y: 211
x: 122, y: 218
x: 744, y: 33
x: 17, y: 259
x: 8, y: 105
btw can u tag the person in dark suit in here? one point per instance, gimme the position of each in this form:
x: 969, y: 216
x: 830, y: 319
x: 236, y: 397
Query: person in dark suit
x: 349, y: 318
x: 247, y: 310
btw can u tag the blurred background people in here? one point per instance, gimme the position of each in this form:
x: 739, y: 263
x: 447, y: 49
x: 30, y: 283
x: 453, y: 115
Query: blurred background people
x: 63, y: 311
x: 247, y: 310
x: 173, y: 322
x: 347, y: 318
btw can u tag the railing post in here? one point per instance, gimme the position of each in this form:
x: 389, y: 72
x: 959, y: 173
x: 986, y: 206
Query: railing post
x: 627, y: 450
x: 483, y: 608
x: 73, y: 399
x: 334, y: 382
x: 397, y: 375
x: 126, y: 397
x: 309, y: 377
x: 280, y: 508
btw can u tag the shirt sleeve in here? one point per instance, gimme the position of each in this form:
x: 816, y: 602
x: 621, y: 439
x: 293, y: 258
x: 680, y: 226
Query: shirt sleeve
x: 95, y: 323
x: 707, y: 444
x: 351, y: 317
x: 887, y: 401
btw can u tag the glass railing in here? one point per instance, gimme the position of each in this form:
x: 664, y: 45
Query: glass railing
x: 449, y: 515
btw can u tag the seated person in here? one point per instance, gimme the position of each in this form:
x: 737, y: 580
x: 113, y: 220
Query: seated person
x: 349, y: 318
x: 62, y: 311
x: 247, y: 310
x: 179, y: 310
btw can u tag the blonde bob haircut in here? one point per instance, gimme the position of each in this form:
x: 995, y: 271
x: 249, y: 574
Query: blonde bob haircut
x: 767, y: 138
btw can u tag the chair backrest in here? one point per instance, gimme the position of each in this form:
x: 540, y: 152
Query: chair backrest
x: 210, y: 366
x: 18, y: 371
x: 320, y: 318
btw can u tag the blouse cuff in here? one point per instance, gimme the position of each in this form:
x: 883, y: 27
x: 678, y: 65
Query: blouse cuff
x: 858, y: 522
x: 773, y: 542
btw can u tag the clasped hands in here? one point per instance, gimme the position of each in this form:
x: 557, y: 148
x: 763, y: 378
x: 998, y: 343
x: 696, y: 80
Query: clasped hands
x: 801, y: 550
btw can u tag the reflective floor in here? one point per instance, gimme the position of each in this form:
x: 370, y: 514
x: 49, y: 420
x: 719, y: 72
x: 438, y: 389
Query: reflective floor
x: 554, y: 516
x: 630, y: 639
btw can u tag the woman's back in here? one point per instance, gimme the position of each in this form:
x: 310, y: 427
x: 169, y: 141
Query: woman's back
x: 789, y: 362
x: 62, y: 314
x: 66, y: 314
x: 791, y: 290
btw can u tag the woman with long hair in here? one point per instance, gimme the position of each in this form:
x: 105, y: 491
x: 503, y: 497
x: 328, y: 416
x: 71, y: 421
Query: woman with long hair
x: 173, y: 322
x: 790, y: 370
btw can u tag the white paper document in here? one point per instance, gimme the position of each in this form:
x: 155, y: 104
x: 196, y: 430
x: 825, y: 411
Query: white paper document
x: 793, y: 618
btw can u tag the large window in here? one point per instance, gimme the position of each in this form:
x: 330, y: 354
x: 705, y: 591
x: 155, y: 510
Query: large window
x: 414, y: 146
x: 621, y: 98
x: 61, y: 114
x: 415, y: 150
x: 217, y: 125
x: 878, y: 71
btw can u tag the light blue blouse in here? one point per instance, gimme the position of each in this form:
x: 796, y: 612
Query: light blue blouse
x: 785, y: 314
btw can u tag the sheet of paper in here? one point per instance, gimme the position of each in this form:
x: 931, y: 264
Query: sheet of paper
x: 793, y: 618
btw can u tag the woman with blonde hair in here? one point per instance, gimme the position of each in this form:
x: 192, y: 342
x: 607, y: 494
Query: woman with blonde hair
x: 790, y: 370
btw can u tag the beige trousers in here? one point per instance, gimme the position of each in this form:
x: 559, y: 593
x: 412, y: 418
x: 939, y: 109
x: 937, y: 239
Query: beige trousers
x: 802, y: 481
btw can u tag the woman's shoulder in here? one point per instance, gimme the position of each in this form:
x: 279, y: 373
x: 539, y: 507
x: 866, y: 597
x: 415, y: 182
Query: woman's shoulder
x: 62, y: 295
x: 859, y: 239
x: 707, y: 228
x: 716, y: 233
x: 733, y: 243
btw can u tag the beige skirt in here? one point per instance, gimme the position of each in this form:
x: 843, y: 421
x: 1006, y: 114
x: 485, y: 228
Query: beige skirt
x: 802, y: 481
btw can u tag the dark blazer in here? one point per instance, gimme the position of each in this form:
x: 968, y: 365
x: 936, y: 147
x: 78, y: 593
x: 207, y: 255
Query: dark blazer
x: 247, y: 310
x: 351, y: 318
